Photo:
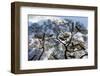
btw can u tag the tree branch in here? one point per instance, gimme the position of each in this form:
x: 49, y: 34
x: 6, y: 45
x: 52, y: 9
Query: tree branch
x: 54, y: 57
x: 83, y: 55
x: 33, y: 57
x: 60, y: 41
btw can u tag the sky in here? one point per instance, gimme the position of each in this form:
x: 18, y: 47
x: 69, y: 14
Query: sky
x: 34, y: 18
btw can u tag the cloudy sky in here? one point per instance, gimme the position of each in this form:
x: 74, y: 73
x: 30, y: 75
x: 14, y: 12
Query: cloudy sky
x: 34, y: 18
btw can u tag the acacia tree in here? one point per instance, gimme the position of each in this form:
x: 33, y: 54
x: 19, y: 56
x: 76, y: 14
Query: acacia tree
x: 41, y: 32
x: 67, y: 39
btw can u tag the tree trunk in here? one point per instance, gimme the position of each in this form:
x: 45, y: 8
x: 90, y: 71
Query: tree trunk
x: 65, y: 53
x: 43, y: 40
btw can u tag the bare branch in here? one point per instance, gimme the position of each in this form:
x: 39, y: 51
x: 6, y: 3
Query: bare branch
x: 54, y: 57
x: 83, y: 55
x: 33, y: 57
x: 60, y: 41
